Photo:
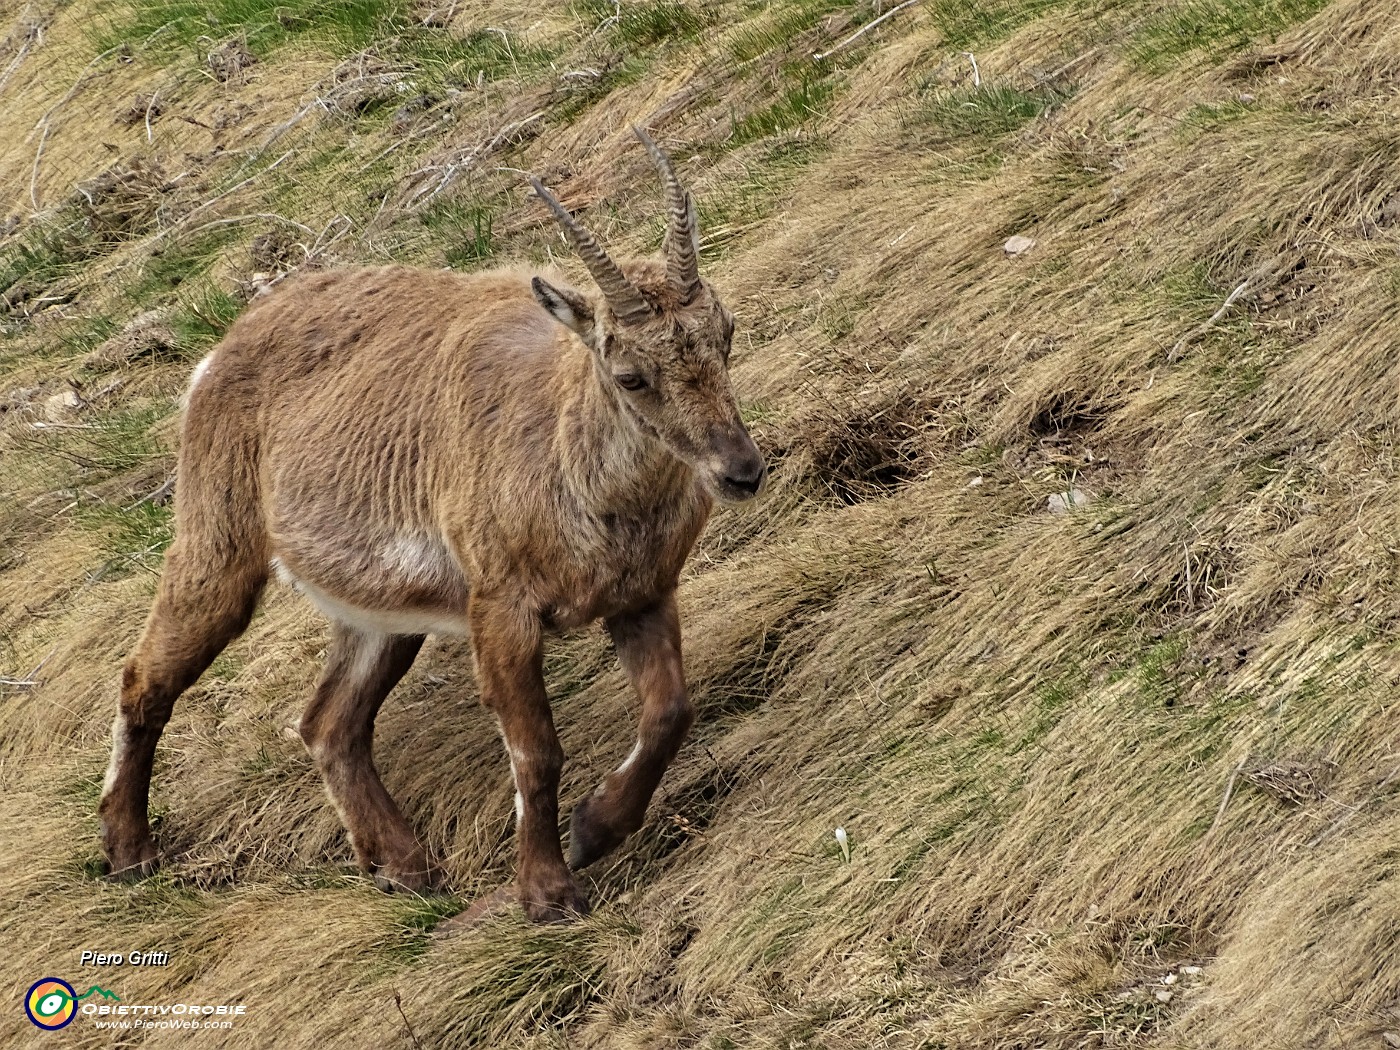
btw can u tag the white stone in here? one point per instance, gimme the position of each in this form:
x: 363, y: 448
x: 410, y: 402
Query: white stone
x: 1018, y: 245
x: 1061, y: 503
x: 60, y: 406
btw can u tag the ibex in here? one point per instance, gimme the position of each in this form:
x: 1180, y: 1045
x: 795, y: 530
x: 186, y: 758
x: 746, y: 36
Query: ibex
x: 496, y: 455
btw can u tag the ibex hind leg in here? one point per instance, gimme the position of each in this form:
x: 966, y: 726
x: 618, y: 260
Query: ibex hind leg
x: 362, y: 667
x: 203, y: 603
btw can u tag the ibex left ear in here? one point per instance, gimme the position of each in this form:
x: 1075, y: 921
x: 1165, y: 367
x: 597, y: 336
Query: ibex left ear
x: 566, y: 306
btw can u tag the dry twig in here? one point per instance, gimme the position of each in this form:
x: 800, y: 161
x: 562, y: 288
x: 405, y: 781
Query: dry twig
x: 398, y: 1002
x: 1225, y: 801
x: 821, y: 56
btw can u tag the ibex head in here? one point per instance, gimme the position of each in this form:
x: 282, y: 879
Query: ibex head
x: 661, y: 339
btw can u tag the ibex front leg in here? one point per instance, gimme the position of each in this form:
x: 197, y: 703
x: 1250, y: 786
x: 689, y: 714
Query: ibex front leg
x: 649, y: 647
x: 507, y: 646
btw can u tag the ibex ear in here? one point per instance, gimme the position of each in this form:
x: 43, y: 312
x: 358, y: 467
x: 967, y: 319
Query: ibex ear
x: 569, y: 308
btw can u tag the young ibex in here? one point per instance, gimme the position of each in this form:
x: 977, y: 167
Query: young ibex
x: 423, y: 452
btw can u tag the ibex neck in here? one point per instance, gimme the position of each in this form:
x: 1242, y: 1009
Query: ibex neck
x: 608, y: 462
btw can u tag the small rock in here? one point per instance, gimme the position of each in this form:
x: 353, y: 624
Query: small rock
x: 1169, y: 979
x: 1162, y: 995
x: 976, y: 482
x: 1018, y: 244
x: 1246, y: 98
x: 61, y: 406
x: 1391, y: 1039
x: 1191, y: 971
x: 1061, y: 503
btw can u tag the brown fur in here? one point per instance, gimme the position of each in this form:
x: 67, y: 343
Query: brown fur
x: 425, y: 451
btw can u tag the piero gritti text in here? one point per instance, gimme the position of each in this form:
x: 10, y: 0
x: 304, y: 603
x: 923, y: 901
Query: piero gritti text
x: 150, y: 958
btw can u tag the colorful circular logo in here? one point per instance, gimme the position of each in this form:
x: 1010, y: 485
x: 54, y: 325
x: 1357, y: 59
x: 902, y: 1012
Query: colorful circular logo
x: 51, y: 1003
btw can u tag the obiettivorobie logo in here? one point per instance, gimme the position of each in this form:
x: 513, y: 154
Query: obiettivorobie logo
x: 52, y: 1003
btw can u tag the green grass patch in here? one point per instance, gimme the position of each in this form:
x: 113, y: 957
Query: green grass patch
x: 1205, y: 118
x: 1216, y: 27
x: 42, y: 257
x: 778, y: 31
x: 85, y: 333
x: 345, y: 26
x: 134, y: 538
x: 172, y: 266
x: 988, y: 112
x: 446, y: 60
x: 969, y: 23
x: 463, y: 227
x: 202, y: 318
x: 737, y: 208
x: 1157, y: 674
x: 414, y: 924
x: 800, y: 103
x: 646, y: 24
x: 585, y: 92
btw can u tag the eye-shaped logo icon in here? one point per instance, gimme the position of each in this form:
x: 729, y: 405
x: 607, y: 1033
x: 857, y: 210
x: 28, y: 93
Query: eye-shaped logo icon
x: 50, y: 1003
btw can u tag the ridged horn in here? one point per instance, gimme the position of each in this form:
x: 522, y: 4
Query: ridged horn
x: 618, y: 289
x: 683, y: 232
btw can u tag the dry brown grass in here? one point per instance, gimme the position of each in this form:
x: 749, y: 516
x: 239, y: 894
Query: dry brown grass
x: 1025, y: 722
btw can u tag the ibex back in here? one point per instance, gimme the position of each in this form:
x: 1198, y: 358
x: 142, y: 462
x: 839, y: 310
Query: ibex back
x: 497, y: 455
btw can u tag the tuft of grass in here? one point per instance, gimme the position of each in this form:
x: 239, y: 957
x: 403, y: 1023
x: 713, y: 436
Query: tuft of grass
x: 134, y: 537
x: 172, y: 266
x: 777, y: 30
x: 971, y: 23
x: 343, y: 25
x: 202, y: 319
x: 801, y: 104
x: 443, y: 60
x: 33, y: 264
x: 646, y: 24
x: 464, y: 229
x: 1216, y: 27
x: 584, y: 93
x: 989, y: 111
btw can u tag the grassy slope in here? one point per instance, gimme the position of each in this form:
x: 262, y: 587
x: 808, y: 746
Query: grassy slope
x: 1026, y: 722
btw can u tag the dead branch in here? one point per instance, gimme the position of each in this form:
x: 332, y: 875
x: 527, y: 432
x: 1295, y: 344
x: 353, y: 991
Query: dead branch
x: 1225, y: 801
x: 823, y: 55
x: 1202, y: 329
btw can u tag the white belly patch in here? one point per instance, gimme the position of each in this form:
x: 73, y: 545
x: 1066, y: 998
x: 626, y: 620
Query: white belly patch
x: 377, y: 621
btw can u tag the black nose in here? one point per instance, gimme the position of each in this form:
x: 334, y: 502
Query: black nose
x: 749, y: 476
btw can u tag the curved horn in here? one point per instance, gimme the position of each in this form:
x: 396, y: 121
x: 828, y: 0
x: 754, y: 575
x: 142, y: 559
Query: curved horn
x: 618, y: 289
x: 683, y: 233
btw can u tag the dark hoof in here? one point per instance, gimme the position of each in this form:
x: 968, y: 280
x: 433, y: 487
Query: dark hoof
x: 552, y: 901
x: 589, y: 837
x: 131, y: 863
x: 415, y: 876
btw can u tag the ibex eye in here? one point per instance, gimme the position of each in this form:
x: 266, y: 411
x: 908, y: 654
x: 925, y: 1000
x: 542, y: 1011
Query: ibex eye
x: 630, y: 381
